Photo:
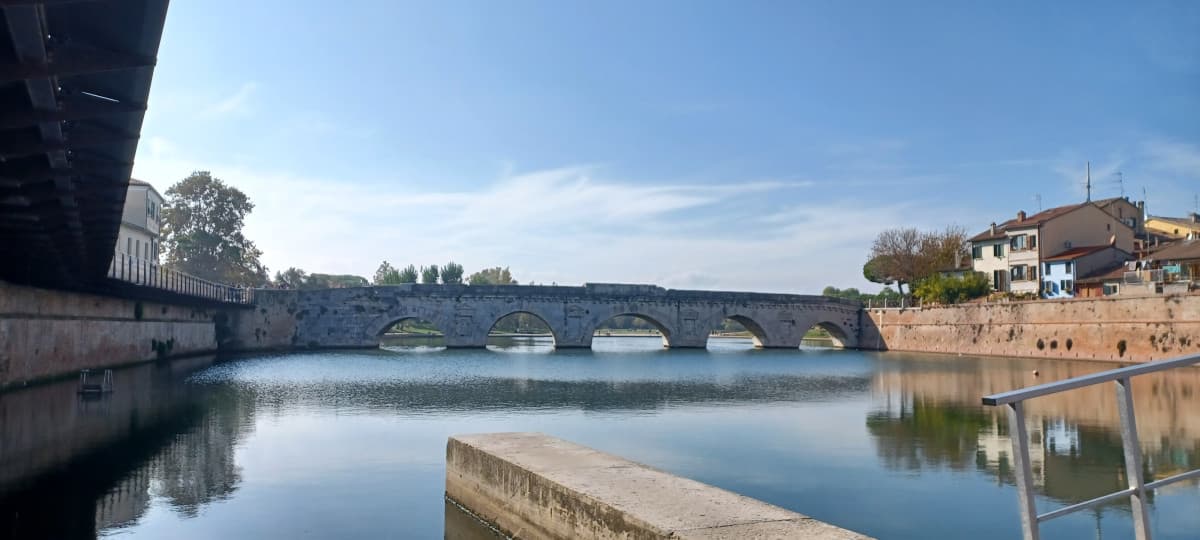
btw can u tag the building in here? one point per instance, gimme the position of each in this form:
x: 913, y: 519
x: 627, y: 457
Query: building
x: 140, y: 222
x: 1128, y: 212
x: 1106, y: 282
x: 1061, y: 272
x: 1012, y: 252
x: 1174, y: 227
x: 1180, y: 261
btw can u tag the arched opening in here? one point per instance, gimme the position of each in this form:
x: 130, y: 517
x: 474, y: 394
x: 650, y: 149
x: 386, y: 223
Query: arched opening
x: 630, y: 332
x: 520, y: 331
x: 824, y: 335
x: 412, y: 334
x: 736, y: 332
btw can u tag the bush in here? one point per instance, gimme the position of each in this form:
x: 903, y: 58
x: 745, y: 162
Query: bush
x: 939, y: 289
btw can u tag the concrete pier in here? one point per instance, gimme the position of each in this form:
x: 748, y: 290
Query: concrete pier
x: 532, y: 486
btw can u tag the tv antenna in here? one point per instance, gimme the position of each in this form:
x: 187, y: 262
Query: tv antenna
x: 1121, y: 182
x: 1038, y: 197
x: 1089, y: 181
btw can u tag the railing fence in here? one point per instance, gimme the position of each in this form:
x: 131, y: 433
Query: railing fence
x: 1138, y: 487
x: 151, y: 274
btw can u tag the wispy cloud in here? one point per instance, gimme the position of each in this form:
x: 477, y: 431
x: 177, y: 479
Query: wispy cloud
x: 237, y: 102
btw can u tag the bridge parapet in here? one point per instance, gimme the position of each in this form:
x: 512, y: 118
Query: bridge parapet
x: 356, y: 317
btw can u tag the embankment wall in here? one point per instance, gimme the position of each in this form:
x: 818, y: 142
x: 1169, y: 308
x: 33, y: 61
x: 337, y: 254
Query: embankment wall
x: 47, y: 333
x: 1114, y: 328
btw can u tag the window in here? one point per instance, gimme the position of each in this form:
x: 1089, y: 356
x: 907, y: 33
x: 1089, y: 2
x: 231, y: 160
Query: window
x: 1032, y: 272
x: 1111, y: 289
x: 1067, y: 267
x: 1032, y: 241
x: 1108, y: 226
x: 1017, y: 273
x: 998, y: 250
x: 1067, y: 286
x: 1017, y: 243
x: 128, y: 245
x: 976, y: 252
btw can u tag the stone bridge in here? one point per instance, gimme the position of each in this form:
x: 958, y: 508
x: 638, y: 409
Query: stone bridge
x: 358, y: 317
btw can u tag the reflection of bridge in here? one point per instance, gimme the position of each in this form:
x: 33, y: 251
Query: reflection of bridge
x: 356, y: 317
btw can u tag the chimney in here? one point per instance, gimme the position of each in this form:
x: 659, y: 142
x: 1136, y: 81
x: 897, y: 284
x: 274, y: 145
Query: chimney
x: 992, y: 230
x: 1141, y: 205
x: 1020, y: 216
x: 1195, y: 217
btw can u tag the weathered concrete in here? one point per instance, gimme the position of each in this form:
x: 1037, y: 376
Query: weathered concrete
x: 47, y: 333
x: 356, y: 317
x: 533, y: 486
x: 1112, y: 328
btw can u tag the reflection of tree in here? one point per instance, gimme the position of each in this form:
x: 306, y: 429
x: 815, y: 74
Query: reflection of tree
x: 198, y: 466
x: 923, y: 433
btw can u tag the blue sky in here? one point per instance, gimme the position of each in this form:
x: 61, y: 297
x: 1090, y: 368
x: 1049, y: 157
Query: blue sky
x: 716, y: 145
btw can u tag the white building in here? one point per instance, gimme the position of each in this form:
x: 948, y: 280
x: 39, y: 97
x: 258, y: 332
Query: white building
x: 140, y: 222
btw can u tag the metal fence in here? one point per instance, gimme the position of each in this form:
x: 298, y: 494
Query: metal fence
x: 1138, y: 487
x: 151, y: 274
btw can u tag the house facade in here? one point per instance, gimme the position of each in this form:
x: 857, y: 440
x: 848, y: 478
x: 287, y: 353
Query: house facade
x: 140, y: 223
x: 1061, y: 272
x: 1012, y: 252
x: 1175, y: 227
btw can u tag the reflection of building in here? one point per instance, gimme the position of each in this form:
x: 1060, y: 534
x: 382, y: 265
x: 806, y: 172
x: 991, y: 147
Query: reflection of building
x: 927, y: 414
x: 125, y: 502
x: 140, y: 222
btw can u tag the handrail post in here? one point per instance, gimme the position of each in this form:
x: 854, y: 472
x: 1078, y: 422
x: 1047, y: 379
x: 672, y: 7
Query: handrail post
x: 1133, y: 460
x: 1023, y: 471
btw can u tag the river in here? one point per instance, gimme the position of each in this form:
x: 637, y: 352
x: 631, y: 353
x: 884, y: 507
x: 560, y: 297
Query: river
x: 350, y: 444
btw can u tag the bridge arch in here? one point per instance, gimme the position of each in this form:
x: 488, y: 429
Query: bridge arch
x: 380, y: 324
x: 839, y: 336
x: 758, y: 334
x: 657, y: 322
x: 554, y: 333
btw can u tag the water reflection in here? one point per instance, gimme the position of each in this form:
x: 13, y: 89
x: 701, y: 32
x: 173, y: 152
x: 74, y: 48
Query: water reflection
x: 323, y: 444
x: 928, y: 415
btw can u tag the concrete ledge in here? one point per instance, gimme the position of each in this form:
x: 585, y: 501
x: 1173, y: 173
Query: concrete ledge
x: 533, y: 486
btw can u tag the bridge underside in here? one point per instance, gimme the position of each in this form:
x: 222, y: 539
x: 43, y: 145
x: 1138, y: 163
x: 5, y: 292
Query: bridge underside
x: 74, y: 81
x: 355, y: 318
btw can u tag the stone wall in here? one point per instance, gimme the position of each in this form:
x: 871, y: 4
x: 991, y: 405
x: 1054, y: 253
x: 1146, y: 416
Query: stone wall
x: 1112, y: 328
x: 48, y: 333
x: 355, y: 317
x: 532, y: 486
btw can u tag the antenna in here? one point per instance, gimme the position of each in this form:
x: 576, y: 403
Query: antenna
x: 1121, y: 182
x: 1089, y: 181
x: 1038, y: 197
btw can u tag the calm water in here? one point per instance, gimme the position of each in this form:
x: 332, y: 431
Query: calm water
x: 351, y: 444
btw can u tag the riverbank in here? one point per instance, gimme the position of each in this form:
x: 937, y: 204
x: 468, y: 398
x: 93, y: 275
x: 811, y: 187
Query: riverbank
x: 1111, y: 329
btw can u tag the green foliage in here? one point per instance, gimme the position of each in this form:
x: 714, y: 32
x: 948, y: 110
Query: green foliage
x: 492, y: 276
x: 452, y: 272
x: 295, y: 278
x: 387, y: 275
x: 887, y: 294
x: 429, y: 274
x: 202, y: 232
x: 520, y: 323
x: 941, y: 289
x: 408, y: 274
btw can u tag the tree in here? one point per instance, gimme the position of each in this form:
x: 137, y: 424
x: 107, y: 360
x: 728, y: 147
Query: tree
x: 492, y: 276
x: 387, y: 275
x: 452, y: 272
x: 408, y: 274
x: 202, y: 232
x: 292, y: 278
x: 429, y: 274
x: 907, y: 255
x: 335, y: 281
x: 942, y: 289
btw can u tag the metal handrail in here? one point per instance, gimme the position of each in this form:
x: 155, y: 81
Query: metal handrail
x: 1030, y: 519
x: 151, y: 274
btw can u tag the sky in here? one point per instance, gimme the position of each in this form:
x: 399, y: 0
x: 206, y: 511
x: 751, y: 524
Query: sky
x: 754, y: 146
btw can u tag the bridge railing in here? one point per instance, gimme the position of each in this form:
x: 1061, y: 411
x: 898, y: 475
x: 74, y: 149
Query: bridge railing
x: 151, y: 274
x: 1138, y: 487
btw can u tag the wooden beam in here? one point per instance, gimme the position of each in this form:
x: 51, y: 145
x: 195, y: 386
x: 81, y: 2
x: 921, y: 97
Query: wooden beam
x: 73, y: 61
x: 69, y: 110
